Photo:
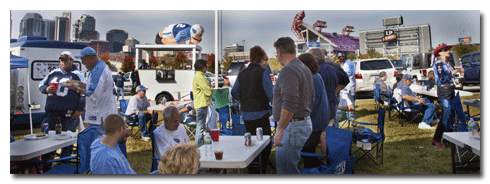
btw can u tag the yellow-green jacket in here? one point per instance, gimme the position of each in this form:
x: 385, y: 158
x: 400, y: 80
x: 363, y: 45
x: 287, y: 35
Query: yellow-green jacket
x: 201, y: 90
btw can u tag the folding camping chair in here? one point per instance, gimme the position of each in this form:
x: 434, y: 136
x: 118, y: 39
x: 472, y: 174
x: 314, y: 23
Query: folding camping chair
x: 340, y: 159
x: 377, y: 96
x: 130, y: 119
x: 461, y: 120
x: 154, y: 160
x: 81, y: 160
x: 368, y: 136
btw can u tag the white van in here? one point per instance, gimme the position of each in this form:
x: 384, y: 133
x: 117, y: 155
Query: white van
x: 368, y: 69
x: 167, y: 84
x: 40, y: 57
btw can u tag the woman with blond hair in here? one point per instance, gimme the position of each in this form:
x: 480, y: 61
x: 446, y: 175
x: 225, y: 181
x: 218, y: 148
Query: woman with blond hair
x: 180, y: 159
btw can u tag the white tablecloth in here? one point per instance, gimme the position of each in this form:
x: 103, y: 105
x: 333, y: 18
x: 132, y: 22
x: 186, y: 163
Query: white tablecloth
x: 235, y: 154
x: 417, y: 89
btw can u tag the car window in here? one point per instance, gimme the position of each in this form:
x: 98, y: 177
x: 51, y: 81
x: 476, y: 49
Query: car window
x: 465, y: 59
x: 417, y: 61
x: 476, y: 58
x: 376, y: 65
x: 451, y: 59
x: 398, y: 63
x: 235, y: 68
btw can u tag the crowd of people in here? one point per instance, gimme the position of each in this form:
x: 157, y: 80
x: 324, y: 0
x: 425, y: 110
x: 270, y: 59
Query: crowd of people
x: 303, y: 101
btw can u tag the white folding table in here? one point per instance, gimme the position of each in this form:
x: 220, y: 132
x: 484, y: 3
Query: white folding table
x: 461, y: 139
x: 474, y: 103
x: 26, y: 149
x: 235, y: 154
x: 422, y: 90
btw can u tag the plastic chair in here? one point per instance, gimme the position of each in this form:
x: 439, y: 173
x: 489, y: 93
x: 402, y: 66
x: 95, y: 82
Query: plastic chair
x: 340, y: 159
x: 375, y: 139
x: 82, y: 159
x: 154, y: 160
x: 130, y: 119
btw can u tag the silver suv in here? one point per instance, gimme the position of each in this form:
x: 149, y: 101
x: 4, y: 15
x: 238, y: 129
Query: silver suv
x: 368, y: 69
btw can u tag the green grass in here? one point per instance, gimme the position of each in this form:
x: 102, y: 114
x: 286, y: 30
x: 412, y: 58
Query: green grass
x: 407, y: 150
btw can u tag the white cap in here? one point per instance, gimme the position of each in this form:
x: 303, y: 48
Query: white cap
x: 196, y: 29
x: 66, y: 55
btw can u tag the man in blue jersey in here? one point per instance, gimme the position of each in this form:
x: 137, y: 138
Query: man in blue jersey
x: 61, y: 102
x: 98, y: 89
x: 349, y: 92
x: 180, y: 33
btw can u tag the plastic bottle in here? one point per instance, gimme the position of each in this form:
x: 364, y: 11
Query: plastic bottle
x: 471, y: 127
x: 207, y: 145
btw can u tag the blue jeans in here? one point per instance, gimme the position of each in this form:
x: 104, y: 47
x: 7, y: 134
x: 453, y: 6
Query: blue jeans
x: 142, y: 120
x: 120, y: 92
x: 201, y: 115
x: 445, y: 125
x: 66, y: 124
x: 429, y: 112
x: 352, y: 98
x: 294, y: 138
x: 100, y: 128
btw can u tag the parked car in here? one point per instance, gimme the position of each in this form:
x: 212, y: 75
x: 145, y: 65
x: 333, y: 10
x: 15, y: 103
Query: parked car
x: 235, y: 68
x: 127, y: 82
x: 368, y: 69
x: 420, y: 64
x: 471, y: 65
x: 211, y: 77
x: 399, y: 65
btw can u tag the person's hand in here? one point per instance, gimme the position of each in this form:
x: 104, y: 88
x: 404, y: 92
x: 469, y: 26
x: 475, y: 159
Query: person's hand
x: 278, y: 137
x: 351, y: 108
x: 76, y: 114
x: 51, y: 90
x: 422, y: 101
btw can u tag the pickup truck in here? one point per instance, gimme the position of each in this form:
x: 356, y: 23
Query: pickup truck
x: 471, y: 65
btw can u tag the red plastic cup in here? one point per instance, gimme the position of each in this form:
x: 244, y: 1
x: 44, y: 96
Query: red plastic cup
x: 55, y: 85
x: 215, y: 135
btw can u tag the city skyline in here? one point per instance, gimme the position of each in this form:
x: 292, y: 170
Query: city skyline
x: 263, y: 27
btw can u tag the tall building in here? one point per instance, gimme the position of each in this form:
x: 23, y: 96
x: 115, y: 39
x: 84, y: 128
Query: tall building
x: 62, y: 32
x: 32, y: 25
x: 68, y: 29
x: 84, y: 28
x: 116, y: 39
x: 129, y: 47
x: 49, y: 30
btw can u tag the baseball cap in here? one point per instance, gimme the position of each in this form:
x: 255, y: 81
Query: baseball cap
x: 66, y: 55
x: 408, y: 77
x: 141, y: 87
x: 340, y: 54
x: 87, y: 51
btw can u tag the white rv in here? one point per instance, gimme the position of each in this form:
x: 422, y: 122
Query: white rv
x: 167, y: 84
x: 32, y: 58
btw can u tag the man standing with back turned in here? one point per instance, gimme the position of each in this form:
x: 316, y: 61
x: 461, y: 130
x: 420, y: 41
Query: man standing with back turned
x: 293, y: 99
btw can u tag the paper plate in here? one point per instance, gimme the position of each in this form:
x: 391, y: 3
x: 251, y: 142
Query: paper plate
x: 34, y: 137
x: 62, y: 136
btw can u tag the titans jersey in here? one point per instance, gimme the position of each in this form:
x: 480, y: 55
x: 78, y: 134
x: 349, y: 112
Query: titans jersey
x: 100, y: 101
x: 181, y: 32
x: 442, y: 73
x: 63, y: 99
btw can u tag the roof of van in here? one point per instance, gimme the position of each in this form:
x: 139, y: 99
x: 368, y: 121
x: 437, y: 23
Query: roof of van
x: 18, y: 62
x: 41, y: 42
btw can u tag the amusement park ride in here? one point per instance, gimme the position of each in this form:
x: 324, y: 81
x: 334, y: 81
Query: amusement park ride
x: 298, y: 20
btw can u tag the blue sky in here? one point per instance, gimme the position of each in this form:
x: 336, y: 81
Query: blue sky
x: 262, y: 27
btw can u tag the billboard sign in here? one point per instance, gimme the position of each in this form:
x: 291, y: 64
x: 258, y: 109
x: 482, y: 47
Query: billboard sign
x: 465, y: 40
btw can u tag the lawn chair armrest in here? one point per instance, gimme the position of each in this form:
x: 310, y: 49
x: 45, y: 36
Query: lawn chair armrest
x: 62, y: 159
x: 305, y: 154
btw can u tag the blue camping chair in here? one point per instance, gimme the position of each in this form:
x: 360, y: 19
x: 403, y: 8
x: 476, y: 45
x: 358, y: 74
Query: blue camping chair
x: 340, y: 159
x: 405, y: 112
x: 375, y: 139
x: 154, y: 160
x: 377, y: 95
x: 131, y: 119
x: 461, y: 116
x: 82, y: 159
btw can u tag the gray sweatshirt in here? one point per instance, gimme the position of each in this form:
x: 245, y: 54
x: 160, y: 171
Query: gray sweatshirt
x: 294, y: 90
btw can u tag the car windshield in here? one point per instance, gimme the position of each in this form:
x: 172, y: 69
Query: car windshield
x: 376, y: 64
x: 398, y: 63
x: 209, y: 74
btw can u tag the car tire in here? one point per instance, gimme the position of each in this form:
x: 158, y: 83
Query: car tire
x: 160, y: 97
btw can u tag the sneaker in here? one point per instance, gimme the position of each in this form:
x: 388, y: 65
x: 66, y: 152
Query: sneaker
x: 435, y: 121
x: 145, y: 138
x: 423, y: 125
x: 437, y: 143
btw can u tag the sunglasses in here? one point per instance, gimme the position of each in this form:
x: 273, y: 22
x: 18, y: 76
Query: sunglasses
x: 445, y: 49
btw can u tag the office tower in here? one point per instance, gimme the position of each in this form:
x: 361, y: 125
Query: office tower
x: 116, y: 39
x: 84, y: 28
x: 62, y: 32
x: 49, y: 30
x: 32, y: 25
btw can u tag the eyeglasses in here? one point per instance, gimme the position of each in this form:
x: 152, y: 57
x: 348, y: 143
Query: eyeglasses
x: 445, y: 49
